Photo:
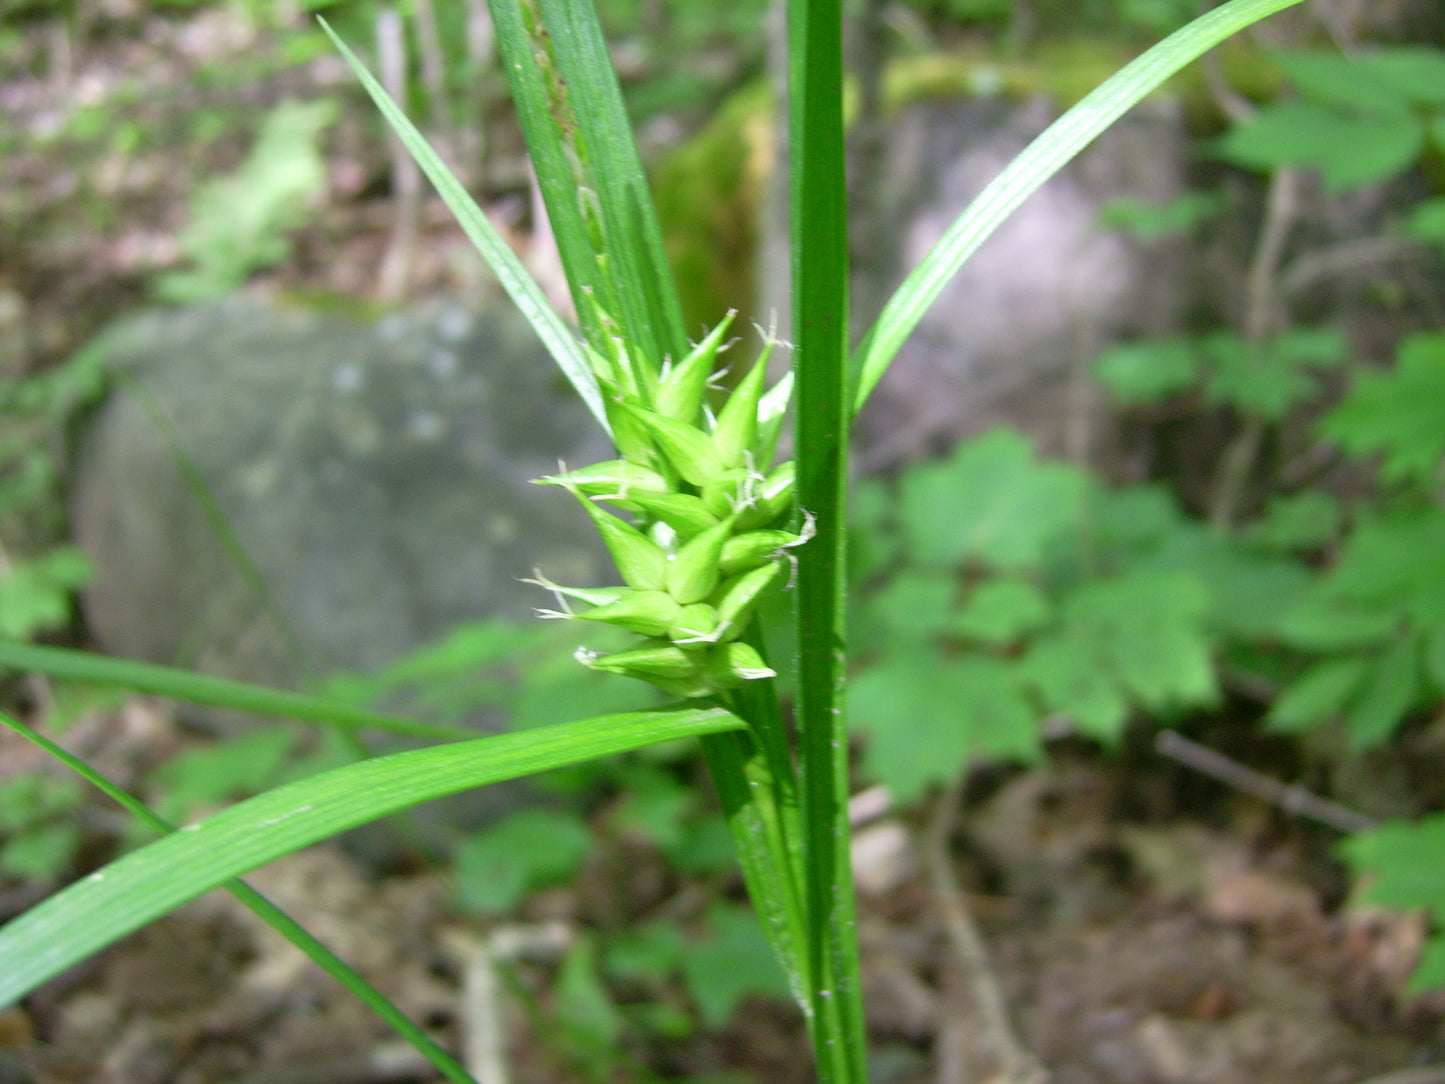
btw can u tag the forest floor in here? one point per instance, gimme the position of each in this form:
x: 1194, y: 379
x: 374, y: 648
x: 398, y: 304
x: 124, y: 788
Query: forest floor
x: 1139, y: 926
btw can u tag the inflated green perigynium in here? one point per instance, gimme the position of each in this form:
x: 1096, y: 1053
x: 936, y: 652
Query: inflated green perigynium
x: 705, y: 539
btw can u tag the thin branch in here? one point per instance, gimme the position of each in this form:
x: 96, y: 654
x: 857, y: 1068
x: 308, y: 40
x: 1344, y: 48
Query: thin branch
x: 1019, y: 1065
x: 481, y: 1010
x: 405, y: 174
x: 1361, y: 256
x: 1235, y: 106
x: 1292, y: 799
x: 1261, y: 316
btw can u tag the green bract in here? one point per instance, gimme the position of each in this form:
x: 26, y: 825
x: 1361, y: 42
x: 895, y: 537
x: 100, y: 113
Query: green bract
x: 706, y: 539
x: 651, y: 613
x: 680, y: 392
x: 615, y: 480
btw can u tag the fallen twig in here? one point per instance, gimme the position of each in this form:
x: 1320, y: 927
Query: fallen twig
x: 1292, y: 799
x: 1019, y: 1065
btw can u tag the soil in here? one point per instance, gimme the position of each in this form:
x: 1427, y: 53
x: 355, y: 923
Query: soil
x: 1132, y: 933
x: 1138, y: 929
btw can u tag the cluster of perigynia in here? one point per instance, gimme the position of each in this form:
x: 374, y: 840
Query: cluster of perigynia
x: 704, y: 542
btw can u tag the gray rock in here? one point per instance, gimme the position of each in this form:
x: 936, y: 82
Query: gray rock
x: 1011, y: 331
x: 375, y: 477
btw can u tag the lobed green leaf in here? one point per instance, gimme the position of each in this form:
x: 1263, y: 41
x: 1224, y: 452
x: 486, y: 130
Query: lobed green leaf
x: 1400, y: 413
x: 1318, y: 695
x: 1350, y: 151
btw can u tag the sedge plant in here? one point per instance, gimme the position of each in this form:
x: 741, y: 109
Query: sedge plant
x: 713, y: 522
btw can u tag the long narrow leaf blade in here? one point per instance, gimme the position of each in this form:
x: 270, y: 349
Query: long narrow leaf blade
x: 1044, y: 157
x: 548, y: 125
x: 148, y: 883
x: 590, y: 174
x: 141, y: 677
x: 269, y: 913
x: 651, y: 312
x: 746, y: 790
x: 520, y: 285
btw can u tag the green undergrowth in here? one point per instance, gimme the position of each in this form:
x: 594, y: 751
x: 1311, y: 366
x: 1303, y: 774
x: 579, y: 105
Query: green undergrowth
x: 998, y: 597
x: 39, y: 833
x: 240, y: 223
x: 1128, y: 605
x: 39, y: 571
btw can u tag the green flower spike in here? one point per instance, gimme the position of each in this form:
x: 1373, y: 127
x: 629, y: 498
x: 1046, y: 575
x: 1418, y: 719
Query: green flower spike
x: 616, y: 481
x: 695, y: 624
x: 684, y: 673
x: 706, y: 547
x: 751, y: 549
x: 686, y: 447
x: 631, y: 435
x: 683, y: 512
x: 642, y: 562
x: 681, y: 389
x: 654, y: 660
x: 593, y: 596
x: 738, y: 597
x: 735, y: 436
x: 649, y: 613
x: 729, y: 665
x: 636, y: 382
x: 692, y: 573
x: 772, y: 412
x: 769, y: 499
x: 729, y: 491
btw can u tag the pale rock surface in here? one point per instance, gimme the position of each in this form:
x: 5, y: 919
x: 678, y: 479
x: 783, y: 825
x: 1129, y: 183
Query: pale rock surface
x: 376, y: 478
x: 1011, y: 336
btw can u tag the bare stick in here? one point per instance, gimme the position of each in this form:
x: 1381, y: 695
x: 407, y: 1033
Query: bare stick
x: 405, y: 174
x: 1261, y: 318
x: 1020, y: 1066
x: 480, y: 1012
x: 1292, y: 799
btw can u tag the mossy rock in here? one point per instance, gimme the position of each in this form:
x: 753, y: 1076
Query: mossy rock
x: 711, y: 190
x: 272, y: 494
x: 710, y: 195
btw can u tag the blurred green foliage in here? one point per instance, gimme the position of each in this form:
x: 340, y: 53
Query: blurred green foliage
x: 1404, y: 871
x: 233, y: 768
x: 495, y: 869
x: 995, y: 592
x: 39, y: 832
x: 1017, y: 591
x: 239, y: 223
x: 39, y: 573
x: 1358, y: 119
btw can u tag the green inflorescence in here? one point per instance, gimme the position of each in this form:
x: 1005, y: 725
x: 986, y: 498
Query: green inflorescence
x: 705, y: 540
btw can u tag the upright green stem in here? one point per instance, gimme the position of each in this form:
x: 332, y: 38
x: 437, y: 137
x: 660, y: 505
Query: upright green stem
x: 820, y: 279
